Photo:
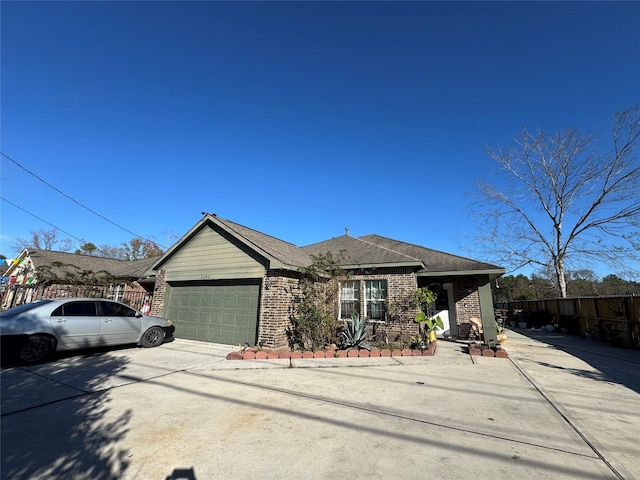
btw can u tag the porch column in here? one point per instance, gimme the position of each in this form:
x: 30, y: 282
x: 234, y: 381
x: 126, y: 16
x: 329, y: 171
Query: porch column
x: 486, y: 309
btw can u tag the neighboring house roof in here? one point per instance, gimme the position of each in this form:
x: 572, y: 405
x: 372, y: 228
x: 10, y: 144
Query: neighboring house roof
x: 62, y: 263
x: 136, y: 268
x: 281, y: 254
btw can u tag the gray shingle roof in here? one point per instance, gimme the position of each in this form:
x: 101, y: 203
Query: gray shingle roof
x: 374, y: 250
x: 136, y: 268
x: 118, y: 268
x: 285, y: 252
x: 367, y: 251
x: 352, y: 251
x: 434, y: 260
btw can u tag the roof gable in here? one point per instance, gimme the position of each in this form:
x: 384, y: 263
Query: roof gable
x: 280, y: 254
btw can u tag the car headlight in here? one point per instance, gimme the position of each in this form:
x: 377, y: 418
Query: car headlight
x: 169, y: 322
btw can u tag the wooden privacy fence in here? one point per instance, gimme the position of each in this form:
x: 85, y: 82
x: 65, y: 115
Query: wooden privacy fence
x: 615, y: 320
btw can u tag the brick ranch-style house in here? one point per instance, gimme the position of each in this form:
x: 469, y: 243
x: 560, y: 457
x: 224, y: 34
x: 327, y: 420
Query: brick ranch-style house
x: 225, y: 283
x: 37, y: 273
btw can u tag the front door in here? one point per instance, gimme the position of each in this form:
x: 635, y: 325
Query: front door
x: 446, y: 310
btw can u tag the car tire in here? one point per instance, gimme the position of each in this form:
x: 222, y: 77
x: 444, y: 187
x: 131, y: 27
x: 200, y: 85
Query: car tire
x: 35, y: 349
x: 153, y: 337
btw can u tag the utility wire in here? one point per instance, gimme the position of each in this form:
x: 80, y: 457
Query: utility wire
x: 76, y: 202
x: 41, y: 219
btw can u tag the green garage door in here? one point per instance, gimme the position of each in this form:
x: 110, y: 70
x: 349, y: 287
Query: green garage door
x: 226, y: 314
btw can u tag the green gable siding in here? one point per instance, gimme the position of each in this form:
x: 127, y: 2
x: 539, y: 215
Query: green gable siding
x: 210, y: 256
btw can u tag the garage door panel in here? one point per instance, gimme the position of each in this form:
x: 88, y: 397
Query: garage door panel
x: 217, y: 302
x: 242, y: 302
x: 237, y: 338
x: 225, y: 314
x: 228, y: 319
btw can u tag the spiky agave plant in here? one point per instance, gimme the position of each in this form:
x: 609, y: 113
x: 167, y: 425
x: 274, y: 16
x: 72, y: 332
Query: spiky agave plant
x: 356, y: 333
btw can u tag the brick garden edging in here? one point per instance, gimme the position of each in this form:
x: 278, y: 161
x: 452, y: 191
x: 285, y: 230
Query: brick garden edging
x: 481, y: 349
x: 254, y: 353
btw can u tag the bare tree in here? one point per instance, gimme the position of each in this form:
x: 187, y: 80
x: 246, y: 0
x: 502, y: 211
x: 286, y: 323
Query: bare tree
x: 43, y: 240
x: 110, y: 251
x: 562, y: 202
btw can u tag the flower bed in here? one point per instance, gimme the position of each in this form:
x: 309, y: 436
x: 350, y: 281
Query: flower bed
x: 255, y: 353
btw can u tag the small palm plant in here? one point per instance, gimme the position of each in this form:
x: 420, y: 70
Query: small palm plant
x: 431, y: 324
x: 356, y: 333
x: 427, y: 324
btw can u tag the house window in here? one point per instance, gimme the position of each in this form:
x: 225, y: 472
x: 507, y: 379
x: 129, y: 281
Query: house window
x: 375, y: 299
x: 116, y: 292
x: 349, y: 299
x: 374, y: 308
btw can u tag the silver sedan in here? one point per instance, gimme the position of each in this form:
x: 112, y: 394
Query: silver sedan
x: 32, y: 332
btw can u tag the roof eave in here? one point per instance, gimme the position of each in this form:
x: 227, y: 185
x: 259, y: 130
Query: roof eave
x: 275, y: 264
x: 382, y: 265
x: 493, y: 273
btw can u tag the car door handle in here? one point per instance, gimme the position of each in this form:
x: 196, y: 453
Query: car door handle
x: 108, y: 320
x: 61, y: 320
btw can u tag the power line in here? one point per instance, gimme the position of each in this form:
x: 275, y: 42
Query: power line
x: 41, y: 219
x: 75, y: 201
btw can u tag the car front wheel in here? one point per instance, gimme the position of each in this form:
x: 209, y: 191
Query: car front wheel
x: 153, y: 337
x: 35, y: 349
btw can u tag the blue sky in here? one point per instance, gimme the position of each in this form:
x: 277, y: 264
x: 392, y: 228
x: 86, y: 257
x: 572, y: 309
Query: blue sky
x: 293, y: 118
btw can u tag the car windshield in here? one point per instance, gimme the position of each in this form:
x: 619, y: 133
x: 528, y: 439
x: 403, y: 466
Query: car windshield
x: 25, y: 307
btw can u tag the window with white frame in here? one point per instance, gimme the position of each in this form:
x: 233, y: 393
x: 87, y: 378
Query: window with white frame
x: 375, y: 299
x: 116, y: 292
x: 374, y: 306
x: 349, y: 299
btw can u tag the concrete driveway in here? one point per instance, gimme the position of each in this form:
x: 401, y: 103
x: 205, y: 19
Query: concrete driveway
x: 181, y: 411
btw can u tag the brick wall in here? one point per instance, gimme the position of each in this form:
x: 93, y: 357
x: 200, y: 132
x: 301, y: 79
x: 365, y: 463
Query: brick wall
x: 467, y: 300
x: 159, y: 293
x: 276, y: 307
x: 399, y: 328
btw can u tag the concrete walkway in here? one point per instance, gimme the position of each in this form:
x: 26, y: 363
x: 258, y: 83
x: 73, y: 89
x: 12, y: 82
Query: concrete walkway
x: 594, y: 386
x: 182, y: 411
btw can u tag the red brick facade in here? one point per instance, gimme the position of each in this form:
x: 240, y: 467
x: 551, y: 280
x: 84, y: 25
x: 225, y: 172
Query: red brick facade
x: 277, y: 295
x: 279, y: 289
x: 159, y: 293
